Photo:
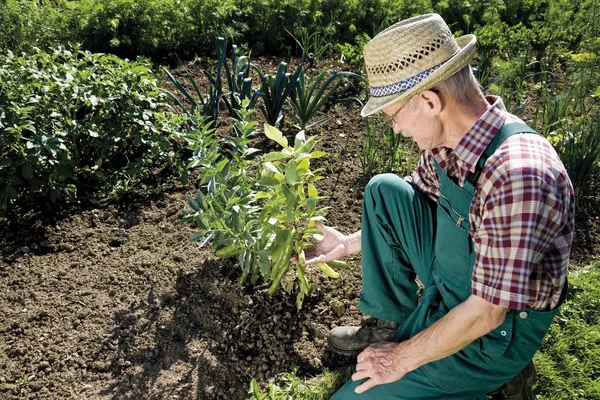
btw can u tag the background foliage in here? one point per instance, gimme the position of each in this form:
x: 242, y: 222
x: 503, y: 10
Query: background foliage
x: 80, y: 126
x: 568, y: 362
x: 162, y: 29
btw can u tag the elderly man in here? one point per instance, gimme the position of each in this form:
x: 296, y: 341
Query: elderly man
x: 485, y: 222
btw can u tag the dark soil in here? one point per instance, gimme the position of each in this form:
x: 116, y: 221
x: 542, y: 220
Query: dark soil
x: 116, y: 303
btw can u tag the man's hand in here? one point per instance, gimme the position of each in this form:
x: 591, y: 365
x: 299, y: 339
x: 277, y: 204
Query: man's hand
x: 332, y: 247
x: 389, y: 362
x: 382, y: 363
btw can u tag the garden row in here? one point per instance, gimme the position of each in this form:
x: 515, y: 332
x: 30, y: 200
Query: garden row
x: 165, y: 30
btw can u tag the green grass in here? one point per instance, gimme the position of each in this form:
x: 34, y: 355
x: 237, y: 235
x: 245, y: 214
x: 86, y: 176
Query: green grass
x: 320, y: 387
x: 568, y: 364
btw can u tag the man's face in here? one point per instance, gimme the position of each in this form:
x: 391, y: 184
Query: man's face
x: 411, y: 121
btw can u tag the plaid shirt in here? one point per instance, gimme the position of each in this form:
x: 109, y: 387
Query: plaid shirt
x: 522, y: 215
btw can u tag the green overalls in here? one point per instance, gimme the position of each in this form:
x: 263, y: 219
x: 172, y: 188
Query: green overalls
x: 405, y: 234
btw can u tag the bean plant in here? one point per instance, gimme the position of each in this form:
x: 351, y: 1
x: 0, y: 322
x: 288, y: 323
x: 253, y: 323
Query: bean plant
x: 261, y: 210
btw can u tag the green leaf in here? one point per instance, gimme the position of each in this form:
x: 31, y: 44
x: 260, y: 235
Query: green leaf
x: 271, y: 167
x: 27, y: 172
x: 311, y: 205
x: 276, y: 155
x: 193, y: 204
x: 11, y: 192
x: 276, y: 135
x: 302, y: 167
x: 299, y: 139
x: 312, y: 191
x: 269, y: 181
x: 291, y: 175
x: 317, y: 154
x: 261, y: 195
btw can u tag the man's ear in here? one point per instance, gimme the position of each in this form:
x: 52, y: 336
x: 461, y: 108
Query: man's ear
x: 433, y: 102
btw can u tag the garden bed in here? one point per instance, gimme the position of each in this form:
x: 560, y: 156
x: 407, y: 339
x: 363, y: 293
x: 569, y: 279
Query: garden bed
x: 116, y: 303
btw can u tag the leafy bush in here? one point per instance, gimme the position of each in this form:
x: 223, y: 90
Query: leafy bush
x: 353, y: 54
x: 27, y: 24
x: 74, y: 124
x: 131, y: 28
x: 165, y: 29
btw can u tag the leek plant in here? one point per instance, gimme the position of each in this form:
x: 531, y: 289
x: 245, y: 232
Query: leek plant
x: 276, y: 89
x: 238, y: 81
x: 309, y: 97
x: 240, y: 84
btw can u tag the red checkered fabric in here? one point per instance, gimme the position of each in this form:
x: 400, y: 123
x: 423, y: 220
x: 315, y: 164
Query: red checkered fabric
x: 522, y: 215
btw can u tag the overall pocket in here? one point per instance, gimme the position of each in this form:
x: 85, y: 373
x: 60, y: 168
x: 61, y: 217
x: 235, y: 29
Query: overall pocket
x: 453, y: 245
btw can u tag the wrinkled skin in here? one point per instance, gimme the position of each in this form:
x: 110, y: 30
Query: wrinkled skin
x: 381, y: 363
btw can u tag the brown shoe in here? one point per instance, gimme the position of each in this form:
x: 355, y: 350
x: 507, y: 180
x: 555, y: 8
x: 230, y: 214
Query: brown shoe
x: 518, y: 388
x: 351, y: 340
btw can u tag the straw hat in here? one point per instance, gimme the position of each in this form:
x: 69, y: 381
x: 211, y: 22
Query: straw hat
x: 410, y: 57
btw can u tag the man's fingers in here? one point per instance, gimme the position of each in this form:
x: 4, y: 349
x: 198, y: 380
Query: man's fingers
x: 366, y: 353
x: 315, y: 260
x: 365, y: 386
x: 358, y: 375
x: 321, y: 227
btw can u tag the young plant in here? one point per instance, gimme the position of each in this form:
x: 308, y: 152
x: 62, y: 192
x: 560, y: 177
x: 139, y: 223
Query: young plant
x: 309, y: 97
x: 289, y: 212
x: 226, y: 213
x: 386, y: 151
x: 262, y: 211
x: 314, y: 45
x: 240, y: 84
x: 276, y: 89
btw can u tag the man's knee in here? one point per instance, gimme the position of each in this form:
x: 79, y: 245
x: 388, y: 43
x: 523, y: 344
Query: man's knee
x: 384, y: 185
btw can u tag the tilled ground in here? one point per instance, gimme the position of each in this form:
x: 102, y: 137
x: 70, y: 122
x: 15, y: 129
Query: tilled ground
x: 116, y: 303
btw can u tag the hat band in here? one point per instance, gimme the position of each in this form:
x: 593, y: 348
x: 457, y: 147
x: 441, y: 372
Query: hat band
x: 403, y: 85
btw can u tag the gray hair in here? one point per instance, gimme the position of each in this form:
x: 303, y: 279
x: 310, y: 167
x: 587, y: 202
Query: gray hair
x: 462, y: 86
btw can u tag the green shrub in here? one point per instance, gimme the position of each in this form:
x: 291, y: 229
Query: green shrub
x: 130, y: 28
x: 25, y: 24
x: 74, y: 124
x: 165, y: 29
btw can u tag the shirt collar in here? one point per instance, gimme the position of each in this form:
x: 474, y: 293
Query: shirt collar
x: 476, y: 140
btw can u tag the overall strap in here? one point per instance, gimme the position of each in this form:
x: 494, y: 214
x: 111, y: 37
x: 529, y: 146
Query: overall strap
x: 504, y: 133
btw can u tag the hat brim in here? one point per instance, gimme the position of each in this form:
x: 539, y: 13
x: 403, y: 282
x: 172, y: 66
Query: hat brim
x: 450, y: 67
